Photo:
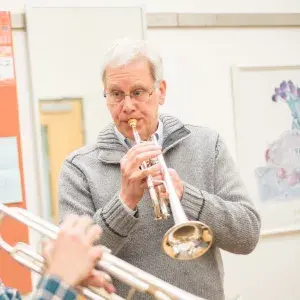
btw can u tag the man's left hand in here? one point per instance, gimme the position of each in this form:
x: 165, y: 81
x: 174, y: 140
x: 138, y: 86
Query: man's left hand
x: 177, y: 182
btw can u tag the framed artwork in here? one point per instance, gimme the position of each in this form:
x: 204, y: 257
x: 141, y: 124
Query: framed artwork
x: 266, y: 103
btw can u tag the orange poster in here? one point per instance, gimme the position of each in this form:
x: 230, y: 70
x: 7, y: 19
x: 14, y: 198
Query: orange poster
x: 7, y: 73
x: 11, y: 273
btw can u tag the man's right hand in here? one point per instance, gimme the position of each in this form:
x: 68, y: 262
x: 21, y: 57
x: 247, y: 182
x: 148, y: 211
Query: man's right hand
x: 133, y: 181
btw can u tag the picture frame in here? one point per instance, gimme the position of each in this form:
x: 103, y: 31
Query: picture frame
x: 259, y: 122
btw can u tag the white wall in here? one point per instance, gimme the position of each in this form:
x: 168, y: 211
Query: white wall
x: 197, y: 63
x: 26, y: 121
x: 73, y: 64
x: 197, y: 59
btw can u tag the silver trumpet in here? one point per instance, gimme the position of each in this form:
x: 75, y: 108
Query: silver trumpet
x: 186, y: 239
x: 137, y: 279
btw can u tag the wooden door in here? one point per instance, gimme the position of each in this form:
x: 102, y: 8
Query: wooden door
x: 62, y: 133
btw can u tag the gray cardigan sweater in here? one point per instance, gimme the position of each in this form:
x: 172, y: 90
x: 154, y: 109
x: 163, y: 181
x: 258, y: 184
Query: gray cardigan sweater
x: 213, y: 193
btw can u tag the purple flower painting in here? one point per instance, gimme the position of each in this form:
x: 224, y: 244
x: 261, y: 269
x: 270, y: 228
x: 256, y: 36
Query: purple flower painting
x: 279, y: 179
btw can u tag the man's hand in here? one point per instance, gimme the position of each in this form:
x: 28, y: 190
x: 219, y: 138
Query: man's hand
x: 99, y: 279
x: 177, y: 182
x: 133, y: 178
x: 72, y: 256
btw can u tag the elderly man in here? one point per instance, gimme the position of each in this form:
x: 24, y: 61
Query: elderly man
x: 105, y: 180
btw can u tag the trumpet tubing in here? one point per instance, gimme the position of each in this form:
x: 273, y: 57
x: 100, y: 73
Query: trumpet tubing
x: 186, y: 239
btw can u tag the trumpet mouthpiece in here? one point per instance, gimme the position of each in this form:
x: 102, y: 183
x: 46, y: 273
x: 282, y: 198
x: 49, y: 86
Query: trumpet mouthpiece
x: 132, y: 122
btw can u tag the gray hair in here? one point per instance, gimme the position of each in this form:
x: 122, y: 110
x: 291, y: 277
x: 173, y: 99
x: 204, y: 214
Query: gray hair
x: 126, y: 50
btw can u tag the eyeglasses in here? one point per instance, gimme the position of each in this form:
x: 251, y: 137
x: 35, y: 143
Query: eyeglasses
x: 138, y: 95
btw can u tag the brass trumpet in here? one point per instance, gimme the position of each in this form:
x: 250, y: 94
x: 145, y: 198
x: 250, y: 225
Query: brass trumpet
x: 137, y: 279
x: 186, y: 239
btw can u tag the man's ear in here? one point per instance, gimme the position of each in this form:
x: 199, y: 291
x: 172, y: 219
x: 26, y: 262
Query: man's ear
x: 162, y: 90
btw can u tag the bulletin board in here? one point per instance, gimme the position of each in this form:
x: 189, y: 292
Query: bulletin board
x: 12, y: 192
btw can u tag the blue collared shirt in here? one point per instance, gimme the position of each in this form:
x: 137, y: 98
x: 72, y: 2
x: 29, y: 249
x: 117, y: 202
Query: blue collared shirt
x: 128, y: 143
x: 49, y: 287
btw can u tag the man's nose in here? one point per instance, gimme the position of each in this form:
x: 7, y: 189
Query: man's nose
x: 128, y: 105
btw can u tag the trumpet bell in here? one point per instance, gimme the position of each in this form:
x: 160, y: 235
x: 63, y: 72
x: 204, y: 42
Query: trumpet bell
x: 187, y: 240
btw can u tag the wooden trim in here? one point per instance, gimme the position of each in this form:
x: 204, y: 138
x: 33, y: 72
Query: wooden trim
x: 18, y: 21
x: 200, y: 20
x: 281, y: 231
x: 251, y: 68
x: 238, y: 20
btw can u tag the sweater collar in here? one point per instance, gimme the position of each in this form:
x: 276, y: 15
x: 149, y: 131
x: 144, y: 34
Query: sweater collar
x: 128, y: 143
x: 112, y: 149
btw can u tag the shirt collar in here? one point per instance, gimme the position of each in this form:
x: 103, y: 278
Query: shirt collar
x: 128, y: 143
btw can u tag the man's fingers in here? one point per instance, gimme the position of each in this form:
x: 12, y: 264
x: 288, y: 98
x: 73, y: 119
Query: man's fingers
x: 141, y: 148
x: 69, y: 222
x: 94, y: 233
x: 95, y: 253
x: 138, y: 159
x: 143, y: 151
x: 142, y: 174
x: 101, y: 280
x: 83, y: 224
x: 47, y: 250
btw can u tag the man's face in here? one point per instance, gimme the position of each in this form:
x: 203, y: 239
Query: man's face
x: 133, y: 78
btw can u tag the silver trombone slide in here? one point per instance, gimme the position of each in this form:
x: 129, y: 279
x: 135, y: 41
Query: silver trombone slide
x: 136, y: 278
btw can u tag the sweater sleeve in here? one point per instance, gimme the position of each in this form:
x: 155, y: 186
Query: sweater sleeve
x: 75, y: 198
x: 229, y: 211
